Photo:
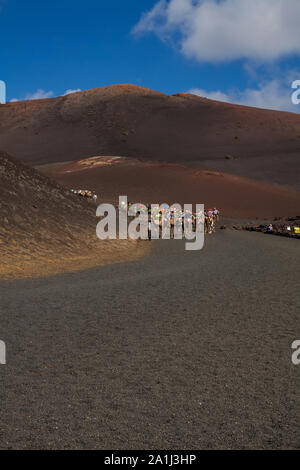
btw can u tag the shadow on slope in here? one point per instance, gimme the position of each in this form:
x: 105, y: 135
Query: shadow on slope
x: 44, y: 229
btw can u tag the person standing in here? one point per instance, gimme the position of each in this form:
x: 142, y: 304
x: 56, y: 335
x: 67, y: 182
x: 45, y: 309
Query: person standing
x: 149, y: 230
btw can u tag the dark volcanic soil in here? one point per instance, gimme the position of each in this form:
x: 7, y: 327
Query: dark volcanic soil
x: 176, y: 351
x: 132, y: 121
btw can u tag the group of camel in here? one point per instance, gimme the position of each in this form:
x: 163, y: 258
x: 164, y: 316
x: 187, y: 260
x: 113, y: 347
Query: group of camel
x: 85, y: 193
x: 208, y: 218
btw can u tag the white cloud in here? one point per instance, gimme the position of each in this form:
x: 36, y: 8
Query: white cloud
x: 216, y: 95
x: 69, y: 92
x: 42, y: 95
x: 38, y: 95
x: 224, y: 30
x: 273, y: 94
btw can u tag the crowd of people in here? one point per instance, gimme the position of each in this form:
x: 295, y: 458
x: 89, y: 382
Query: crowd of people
x: 284, y: 229
x: 208, y: 217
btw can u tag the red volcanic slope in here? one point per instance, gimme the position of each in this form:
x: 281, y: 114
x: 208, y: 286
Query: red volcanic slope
x: 157, y: 183
x: 136, y: 122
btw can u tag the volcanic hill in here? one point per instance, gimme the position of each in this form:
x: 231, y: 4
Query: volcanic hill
x: 136, y: 122
x: 45, y: 229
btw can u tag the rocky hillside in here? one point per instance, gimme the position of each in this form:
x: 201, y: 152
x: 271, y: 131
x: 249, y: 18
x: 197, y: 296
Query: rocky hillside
x: 44, y: 228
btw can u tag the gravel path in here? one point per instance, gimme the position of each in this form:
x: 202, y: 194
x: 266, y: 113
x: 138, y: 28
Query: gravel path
x: 179, y: 350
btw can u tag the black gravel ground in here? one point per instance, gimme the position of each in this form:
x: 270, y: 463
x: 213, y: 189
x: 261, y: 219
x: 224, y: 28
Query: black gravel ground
x: 180, y: 350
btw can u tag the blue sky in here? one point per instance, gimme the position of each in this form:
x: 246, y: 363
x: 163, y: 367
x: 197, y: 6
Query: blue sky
x: 245, y: 51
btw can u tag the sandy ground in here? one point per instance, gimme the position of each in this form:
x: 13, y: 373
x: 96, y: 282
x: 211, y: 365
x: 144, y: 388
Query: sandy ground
x: 177, y: 350
x: 19, y: 264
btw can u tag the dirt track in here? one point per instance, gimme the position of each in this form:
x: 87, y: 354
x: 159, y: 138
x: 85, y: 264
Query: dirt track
x: 176, y: 351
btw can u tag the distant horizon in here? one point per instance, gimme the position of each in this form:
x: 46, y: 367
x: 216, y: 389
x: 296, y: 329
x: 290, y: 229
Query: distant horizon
x: 175, y: 46
x: 69, y: 92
